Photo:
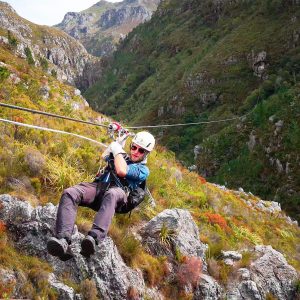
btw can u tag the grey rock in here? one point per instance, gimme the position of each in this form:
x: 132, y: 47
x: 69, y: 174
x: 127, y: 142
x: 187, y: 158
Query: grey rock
x: 15, y: 280
x: 258, y: 63
x: 197, y: 151
x: 116, y: 17
x: 290, y: 221
x: 269, y: 273
x: 77, y: 92
x: 182, y: 234
x: 231, y: 60
x: 252, y: 141
x: 160, y: 111
x: 278, y: 127
x: 22, y: 183
x: 14, y: 211
x: 279, y: 166
x: 8, y: 278
x: 234, y: 255
x: 244, y: 273
x: 268, y: 206
x: 279, y: 124
x: 207, y: 99
x: 248, y: 290
x: 176, y: 174
x: 31, y: 228
x: 192, y: 168
x: 273, y: 274
x: 175, y: 106
x: 4, y: 40
x: 14, y: 78
x: 228, y: 261
x: 153, y: 294
x: 230, y: 257
x: 272, y: 118
x: 44, y: 92
x: 194, y: 81
x: 65, y: 292
x: 207, y: 289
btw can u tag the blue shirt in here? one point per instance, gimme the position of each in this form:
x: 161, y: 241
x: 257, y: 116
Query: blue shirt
x: 136, y: 173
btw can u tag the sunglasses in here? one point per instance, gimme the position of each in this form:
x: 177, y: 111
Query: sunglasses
x: 140, y: 150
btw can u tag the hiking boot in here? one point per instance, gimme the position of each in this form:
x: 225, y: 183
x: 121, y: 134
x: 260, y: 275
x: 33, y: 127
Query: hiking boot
x: 88, y: 246
x: 59, y: 248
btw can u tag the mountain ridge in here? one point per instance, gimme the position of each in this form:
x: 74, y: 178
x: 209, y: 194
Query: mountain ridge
x: 56, y: 51
x: 101, y: 26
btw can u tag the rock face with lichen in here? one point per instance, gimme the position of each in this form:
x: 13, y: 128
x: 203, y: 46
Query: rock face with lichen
x: 171, y: 232
x: 31, y: 228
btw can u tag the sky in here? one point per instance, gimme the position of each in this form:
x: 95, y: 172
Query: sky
x: 49, y: 12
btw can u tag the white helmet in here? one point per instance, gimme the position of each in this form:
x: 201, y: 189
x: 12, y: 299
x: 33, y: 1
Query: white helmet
x: 145, y: 140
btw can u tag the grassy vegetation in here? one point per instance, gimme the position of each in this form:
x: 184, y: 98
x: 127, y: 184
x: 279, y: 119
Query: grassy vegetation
x: 45, y: 163
x: 194, y: 62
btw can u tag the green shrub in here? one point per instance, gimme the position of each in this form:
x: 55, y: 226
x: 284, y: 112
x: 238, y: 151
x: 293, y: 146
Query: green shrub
x: 246, y: 259
x: 4, y: 73
x: 13, y: 42
x: 44, y: 63
x: 54, y: 73
x: 29, y: 56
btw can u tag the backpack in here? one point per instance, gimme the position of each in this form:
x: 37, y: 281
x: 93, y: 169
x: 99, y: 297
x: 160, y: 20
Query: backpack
x: 134, y: 198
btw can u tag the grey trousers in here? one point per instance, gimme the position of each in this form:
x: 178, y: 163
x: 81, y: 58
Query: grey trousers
x: 86, y: 194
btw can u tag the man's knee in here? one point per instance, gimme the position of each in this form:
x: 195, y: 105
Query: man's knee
x: 114, y: 196
x: 115, y: 193
x: 70, y: 194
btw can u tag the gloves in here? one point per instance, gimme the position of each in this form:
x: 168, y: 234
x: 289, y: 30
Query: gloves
x: 122, y: 139
x: 116, y: 148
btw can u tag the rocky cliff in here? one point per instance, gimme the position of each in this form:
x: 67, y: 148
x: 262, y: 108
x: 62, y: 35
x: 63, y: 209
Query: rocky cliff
x: 268, y: 274
x: 102, y: 26
x: 55, y: 51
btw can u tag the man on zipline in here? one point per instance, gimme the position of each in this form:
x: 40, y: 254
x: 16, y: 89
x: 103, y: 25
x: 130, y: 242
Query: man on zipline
x: 118, y: 189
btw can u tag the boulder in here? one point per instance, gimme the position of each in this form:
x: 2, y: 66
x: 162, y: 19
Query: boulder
x: 65, y: 292
x: 31, y: 228
x: 230, y: 257
x: 173, y: 230
x: 208, y: 289
x: 268, y: 274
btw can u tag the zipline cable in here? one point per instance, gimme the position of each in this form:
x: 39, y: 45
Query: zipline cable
x: 189, y: 124
x: 50, y: 115
x: 127, y: 127
x: 52, y: 130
